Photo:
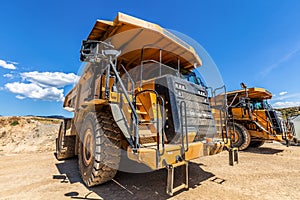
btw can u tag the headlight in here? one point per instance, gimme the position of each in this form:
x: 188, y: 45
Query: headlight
x: 180, y: 86
x: 201, y: 93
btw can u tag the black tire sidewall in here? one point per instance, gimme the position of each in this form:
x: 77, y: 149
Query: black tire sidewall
x: 59, y: 142
x: 239, y: 131
x: 244, y: 137
x: 86, y: 171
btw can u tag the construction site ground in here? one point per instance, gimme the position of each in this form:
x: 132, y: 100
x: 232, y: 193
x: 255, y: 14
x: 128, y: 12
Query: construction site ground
x: 29, y: 170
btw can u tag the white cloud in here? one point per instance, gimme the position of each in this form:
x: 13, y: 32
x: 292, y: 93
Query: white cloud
x: 6, y: 65
x: 41, y: 85
x: 283, y: 93
x: 34, y: 91
x: 8, y: 75
x: 280, y: 61
x: 50, y: 79
x: 12, y: 62
x: 285, y: 104
x: 287, y: 97
x: 20, y: 97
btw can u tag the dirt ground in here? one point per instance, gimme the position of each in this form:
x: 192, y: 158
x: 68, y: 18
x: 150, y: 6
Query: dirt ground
x: 269, y: 172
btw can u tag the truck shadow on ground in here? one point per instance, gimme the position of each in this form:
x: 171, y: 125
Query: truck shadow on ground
x: 263, y: 150
x: 150, y: 185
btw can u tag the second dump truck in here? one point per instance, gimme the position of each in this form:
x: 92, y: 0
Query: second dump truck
x: 252, y: 119
x: 138, y: 95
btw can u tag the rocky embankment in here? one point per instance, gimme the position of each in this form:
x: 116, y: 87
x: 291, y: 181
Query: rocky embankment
x: 27, y: 134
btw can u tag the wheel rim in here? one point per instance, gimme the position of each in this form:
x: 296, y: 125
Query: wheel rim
x: 234, y: 136
x: 88, y: 147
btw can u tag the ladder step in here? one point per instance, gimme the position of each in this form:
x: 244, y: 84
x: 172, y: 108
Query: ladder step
x: 143, y: 121
x: 136, y: 103
x: 170, y: 178
x: 146, y: 136
x: 180, y: 187
x: 146, y: 133
x: 139, y: 112
x: 148, y: 141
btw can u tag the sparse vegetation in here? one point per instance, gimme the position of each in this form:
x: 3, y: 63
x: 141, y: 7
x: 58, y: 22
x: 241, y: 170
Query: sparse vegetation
x: 289, y: 112
x: 14, y: 123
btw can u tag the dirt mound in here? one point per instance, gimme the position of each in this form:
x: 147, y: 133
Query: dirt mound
x: 27, y: 134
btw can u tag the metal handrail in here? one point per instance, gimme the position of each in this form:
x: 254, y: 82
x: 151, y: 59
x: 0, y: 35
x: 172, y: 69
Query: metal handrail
x: 160, y: 68
x: 163, y: 127
x: 160, y: 59
x: 160, y: 54
x: 223, y: 110
x: 183, y: 149
x: 95, y: 52
x: 154, y: 61
x: 128, y: 75
x: 136, y: 118
x: 107, y: 80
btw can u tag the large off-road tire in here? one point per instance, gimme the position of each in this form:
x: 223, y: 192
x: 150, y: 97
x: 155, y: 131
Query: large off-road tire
x: 65, y: 144
x: 99, y: 148
x: 296, y: 141
x: 239, y: 135
x: 256, y: 144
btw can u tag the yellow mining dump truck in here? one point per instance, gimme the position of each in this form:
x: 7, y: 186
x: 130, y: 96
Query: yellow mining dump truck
x: 252, y: 120
x: 138, y: 98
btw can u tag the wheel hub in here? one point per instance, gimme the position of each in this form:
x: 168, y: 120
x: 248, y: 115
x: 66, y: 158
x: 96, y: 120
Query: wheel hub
x: 234, y: 136
x: 88, y: 147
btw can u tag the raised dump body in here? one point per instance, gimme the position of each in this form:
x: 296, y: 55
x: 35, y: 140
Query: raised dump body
x: 138, y: 97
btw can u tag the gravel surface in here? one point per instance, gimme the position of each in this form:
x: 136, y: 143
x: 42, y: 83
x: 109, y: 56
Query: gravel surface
x: 270, y: 172
x: 29, y: 170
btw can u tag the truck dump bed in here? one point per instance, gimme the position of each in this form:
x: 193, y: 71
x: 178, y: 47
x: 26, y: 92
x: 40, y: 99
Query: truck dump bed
x: 137, y: 33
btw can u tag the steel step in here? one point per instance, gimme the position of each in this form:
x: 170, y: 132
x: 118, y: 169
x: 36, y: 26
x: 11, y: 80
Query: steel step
x: 170, y: 179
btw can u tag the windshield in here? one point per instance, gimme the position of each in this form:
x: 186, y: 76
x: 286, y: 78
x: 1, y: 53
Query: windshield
x: 267, y: 106
x: 193, y: 78
x: 260, y: 105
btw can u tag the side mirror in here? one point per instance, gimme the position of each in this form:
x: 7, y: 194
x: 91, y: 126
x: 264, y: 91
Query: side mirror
x: 243, y: 85
x: 94, y: 51
x: 88, y: 48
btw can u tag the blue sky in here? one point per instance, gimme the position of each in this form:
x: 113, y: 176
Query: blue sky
x: 256, y: 42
